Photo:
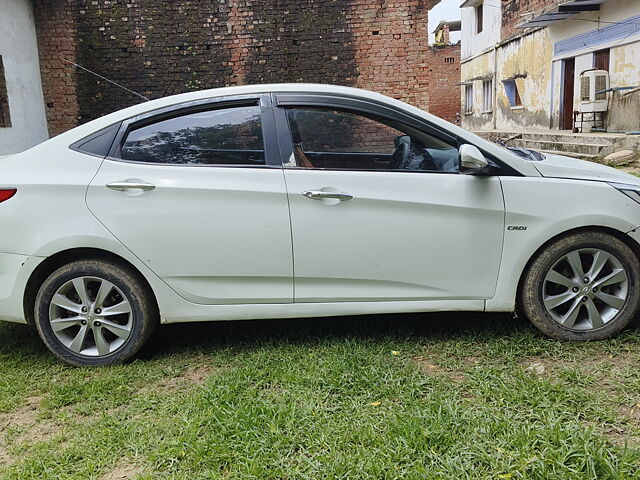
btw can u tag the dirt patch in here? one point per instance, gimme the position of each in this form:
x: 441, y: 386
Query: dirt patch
x: 123, y: 472
x: 23, y: 417
x: 431, y: 368
x: 630, y: 413
x: 196, y: 375
x: 535, y: 366
x: 590, y: 362
x: 471, y: 361
x: 23, y: 427
x: 606, y: 373
x: 620, y: 436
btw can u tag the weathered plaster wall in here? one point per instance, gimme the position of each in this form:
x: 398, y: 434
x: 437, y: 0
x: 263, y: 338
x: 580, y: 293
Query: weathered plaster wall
x: 473, y: 72
x: 159, y: 48
x: 18, y: 48
x: 528, y: 60
x: 624, y: 68
x: 525, y: 59
x: 529, y: 57
x: 624, y: 109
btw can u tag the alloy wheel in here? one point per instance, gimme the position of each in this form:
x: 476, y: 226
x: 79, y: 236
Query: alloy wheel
x: 585, y: 289
x: 91, y: 316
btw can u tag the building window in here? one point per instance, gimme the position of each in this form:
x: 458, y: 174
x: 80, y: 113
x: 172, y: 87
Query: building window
x: 450, y: 60
x: 5, y: 119
x: 468, y: 99
x: 487, y: 96
x: 479, y: 18
x: 512, y: 93
x: 601, y: 59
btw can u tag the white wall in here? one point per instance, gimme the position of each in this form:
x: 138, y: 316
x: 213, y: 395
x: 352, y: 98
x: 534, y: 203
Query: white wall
x: 475, y: 43
x: 610, y: 11
x: 19, y: 51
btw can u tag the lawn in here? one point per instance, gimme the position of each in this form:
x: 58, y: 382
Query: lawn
x: 449, y: 396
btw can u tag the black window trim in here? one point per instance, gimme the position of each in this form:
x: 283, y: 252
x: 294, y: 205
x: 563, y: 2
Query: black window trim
x: 111, y: 130
x: 282, y: 100
x: 272, y: 157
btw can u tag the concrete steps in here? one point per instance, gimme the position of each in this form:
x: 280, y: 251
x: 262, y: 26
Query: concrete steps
x: 581, y: 138
x: 578, y: 149
x: 580, y: 156
x: 587, y: 146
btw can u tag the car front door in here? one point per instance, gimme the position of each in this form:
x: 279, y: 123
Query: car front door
x: 198, y: 194
x: 379, y: 211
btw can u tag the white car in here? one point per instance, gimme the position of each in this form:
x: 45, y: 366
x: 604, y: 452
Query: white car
x: 298, y: 200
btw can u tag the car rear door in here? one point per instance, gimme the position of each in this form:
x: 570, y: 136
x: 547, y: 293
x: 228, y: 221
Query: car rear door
x: 197, y: 192
x: 365, y: 229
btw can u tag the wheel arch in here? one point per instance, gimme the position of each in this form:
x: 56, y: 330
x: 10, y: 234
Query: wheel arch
x: 55, y: 261
x: 630, y: 242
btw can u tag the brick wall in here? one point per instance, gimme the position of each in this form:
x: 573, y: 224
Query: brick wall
x: 513, y: 11
x: 57, y: 43
x: 390, y: 46
x: 160, y: 48
x: 444, y: 74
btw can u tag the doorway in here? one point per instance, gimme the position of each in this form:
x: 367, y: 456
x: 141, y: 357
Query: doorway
x: 568, y: 79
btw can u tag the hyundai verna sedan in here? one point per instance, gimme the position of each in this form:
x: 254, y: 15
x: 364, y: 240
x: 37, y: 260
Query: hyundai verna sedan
x: 297, y: 200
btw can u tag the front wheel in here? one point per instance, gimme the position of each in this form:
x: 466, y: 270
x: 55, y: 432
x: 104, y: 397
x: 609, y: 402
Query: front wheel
x: 94, y: 313
x: 582, y: 287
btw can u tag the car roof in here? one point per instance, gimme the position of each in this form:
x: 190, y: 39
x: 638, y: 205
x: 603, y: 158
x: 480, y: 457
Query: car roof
x: 213, y: 93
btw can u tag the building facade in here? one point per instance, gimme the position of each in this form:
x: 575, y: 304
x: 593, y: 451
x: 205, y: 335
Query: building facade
x: 523, y: 61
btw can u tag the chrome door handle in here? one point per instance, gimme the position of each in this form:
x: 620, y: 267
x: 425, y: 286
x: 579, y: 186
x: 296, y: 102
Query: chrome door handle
x: 122, y: 186
x: 319, y: 195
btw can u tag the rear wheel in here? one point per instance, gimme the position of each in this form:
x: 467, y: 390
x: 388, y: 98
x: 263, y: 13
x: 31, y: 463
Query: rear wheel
x: 582, y: 287
x: 94, y: 313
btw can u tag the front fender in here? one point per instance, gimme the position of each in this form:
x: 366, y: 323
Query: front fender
x: 540, y: 209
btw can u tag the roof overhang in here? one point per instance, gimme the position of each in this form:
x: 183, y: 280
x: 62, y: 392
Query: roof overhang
x: 562, y: 12
x: 454, y: 26
x: 470, y: 3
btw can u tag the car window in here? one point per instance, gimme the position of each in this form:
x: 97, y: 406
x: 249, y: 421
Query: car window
x: 336, y: 139
x: 226, y: 136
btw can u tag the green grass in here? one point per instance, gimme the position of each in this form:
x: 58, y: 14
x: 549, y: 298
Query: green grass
x: 400, y: 396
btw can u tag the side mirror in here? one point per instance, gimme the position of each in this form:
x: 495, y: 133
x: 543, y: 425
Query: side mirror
x: 472, y: 160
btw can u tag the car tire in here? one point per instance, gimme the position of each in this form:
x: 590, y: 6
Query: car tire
x: 95, y: 313
x: 566, y: 307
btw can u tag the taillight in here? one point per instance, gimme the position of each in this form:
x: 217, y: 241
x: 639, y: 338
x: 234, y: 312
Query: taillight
x: 7, y: 193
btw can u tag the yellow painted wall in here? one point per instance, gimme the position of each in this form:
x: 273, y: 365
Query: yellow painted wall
x: 529, y: 59
x: 477, y: 68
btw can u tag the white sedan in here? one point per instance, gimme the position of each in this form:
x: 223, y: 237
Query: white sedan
x: 297, y: 200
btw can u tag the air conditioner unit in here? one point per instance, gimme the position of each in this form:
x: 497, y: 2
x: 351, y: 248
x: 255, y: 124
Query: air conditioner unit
x: 592, y: 81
